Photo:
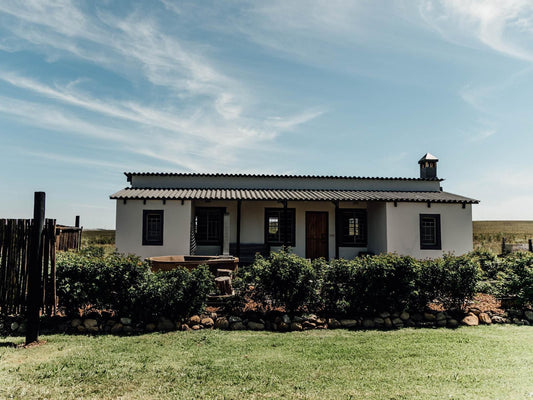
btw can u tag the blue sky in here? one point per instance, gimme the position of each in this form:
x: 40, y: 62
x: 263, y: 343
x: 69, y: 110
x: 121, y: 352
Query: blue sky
x: 89, y: 90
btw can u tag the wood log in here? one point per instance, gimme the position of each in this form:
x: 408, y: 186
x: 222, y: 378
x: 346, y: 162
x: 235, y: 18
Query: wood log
x: 224, y: 272
x: 224, y: 285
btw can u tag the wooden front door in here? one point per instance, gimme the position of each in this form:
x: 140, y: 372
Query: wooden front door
x: 316, y: 234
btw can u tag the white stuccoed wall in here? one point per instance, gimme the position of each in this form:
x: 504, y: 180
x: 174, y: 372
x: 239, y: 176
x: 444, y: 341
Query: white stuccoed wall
x: 403, y: 229
x: 176, y: 227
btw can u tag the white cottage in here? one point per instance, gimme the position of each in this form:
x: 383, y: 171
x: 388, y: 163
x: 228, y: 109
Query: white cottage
x: 318, y: 216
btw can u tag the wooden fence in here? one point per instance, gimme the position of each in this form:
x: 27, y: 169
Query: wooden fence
x: 15, y: 237
x: 68, y: 237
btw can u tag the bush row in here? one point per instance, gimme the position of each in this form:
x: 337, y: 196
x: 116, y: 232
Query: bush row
x: 365, y: 285
x: 510, y: 275
x: 125, y: 285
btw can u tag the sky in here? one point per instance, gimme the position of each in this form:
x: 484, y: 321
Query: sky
x: 91, y: 89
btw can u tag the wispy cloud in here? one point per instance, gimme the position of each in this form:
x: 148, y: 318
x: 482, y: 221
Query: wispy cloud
x: 207, y: 113
x: 504, y: 26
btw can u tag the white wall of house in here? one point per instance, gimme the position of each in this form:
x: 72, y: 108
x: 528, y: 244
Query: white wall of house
x: 176, y: 227
x: 403, y: 228
x: 377, y: 228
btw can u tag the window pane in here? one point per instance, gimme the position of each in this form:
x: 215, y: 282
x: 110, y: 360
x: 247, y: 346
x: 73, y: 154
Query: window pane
x: 276, y: 226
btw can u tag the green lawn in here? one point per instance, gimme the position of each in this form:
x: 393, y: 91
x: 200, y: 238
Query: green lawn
x: 493, y: 362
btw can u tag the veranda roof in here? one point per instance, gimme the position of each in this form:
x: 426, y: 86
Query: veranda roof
x: 291, y: 195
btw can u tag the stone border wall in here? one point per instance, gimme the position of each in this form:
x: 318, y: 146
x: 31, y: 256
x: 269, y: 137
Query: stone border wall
x: 109, y: 323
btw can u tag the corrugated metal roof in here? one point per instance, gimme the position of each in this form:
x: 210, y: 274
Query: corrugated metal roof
x: 130, y: 174
x: 292, y: 195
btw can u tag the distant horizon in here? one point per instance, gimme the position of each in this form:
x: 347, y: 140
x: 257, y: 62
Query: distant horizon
x: 310, y: 87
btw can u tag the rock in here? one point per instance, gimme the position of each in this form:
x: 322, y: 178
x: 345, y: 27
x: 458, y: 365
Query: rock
x: 475, y: 311
x: 90, y: 323
x: 498, y: 320
x: 321, y: 321
x: 110, y: 322
x: 75, y: 322
x: 256, y: 326
x: 237, y: 326
x: 452, y: 323
x: 285, y: 318
x: 150, y: 327
x: 348, y: 323
x: 441, y: 322
x: 484, y: 318
x: 524, y: 322
x: 384, y: 315
x: 93, y: 329
x: 195, y: 320
x: 22, y: 327
x: 283, y: 327
x: 429, y: 316
x: 333, y: 323
x: 128, y: 329
x: 368, y: 324
x: 196, y: 327
x: 308, y: 325
x: 117, y: 328
x: 310, y: 317
x: 207, y: 322
x: 404, y: 316
x: 529, y: 315
x: 379, y: 321
x: 397, y: 322
x: 440, y: 316
x: 125, y: 321
x: 296, y: 326
x: 185, y: 327
x: 470, y: 320
x: 232, y: 319
x: 410, y: 323
x: 81, y: 328
x: 164, y: 324
x: 297, y: 318
x: 517, y: 321
x: 417, y: 317
x: 222, y: 323
x: 387, y: 322
x: 15, y: 326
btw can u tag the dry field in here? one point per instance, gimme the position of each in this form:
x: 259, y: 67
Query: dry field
x: 489, y: 234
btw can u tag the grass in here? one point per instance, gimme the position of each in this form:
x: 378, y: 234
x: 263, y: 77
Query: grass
x: 489, y: 234
x: 468, y: 363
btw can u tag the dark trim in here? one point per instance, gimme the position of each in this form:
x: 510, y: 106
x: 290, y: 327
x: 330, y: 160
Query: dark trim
x: 337, y: 251
x: 145, y: 240
x: 284, y: 213
x: 238, y: 246
x: 338, y: 227
x: 438, y: 244
x: 220, y: 242
x: 327, y: 231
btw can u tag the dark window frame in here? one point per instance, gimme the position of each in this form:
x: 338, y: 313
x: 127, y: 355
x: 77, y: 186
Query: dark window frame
x: 291, y: 213
x: 436, y: 243
x: 158, y: 240
x: 360, y: 240
x: 219, y: 212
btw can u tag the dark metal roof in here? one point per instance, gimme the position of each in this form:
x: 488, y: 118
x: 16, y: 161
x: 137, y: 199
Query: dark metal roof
x: 223, y: 175
x: 291, y: 194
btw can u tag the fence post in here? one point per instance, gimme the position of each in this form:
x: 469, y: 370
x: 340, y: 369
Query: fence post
x: 35, y: 293
x: 77, y: 225
x: 503, y: 245
x: 530, y: 242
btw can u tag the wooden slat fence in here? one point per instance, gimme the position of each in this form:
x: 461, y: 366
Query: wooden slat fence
x: 15, y: 236
x: 68, y: 238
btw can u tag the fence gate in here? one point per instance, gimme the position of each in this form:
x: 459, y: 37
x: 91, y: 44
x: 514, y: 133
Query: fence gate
x: 15, y: 237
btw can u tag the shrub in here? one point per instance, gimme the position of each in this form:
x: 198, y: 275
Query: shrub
x: 518, y: 282
x: 449, y: 280
x: 283, y: 279
x: 95, y: 281
x: 491, y: 265
x: 370, y: 284
x: 175, y: 294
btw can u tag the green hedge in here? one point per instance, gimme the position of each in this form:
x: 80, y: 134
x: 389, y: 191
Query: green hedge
x: 365, y: 285
x: 517, y: 281
x: 126, y: 285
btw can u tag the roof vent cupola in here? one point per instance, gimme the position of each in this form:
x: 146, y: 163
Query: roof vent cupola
x: 428, y: 166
